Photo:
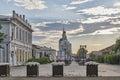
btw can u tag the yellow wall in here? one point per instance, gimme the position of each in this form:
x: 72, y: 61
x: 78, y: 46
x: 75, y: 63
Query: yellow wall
x: 21, y: 57
x: 16, y: 55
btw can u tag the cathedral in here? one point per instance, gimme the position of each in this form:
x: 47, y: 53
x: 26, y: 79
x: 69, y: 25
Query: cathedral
x: 65, y: 51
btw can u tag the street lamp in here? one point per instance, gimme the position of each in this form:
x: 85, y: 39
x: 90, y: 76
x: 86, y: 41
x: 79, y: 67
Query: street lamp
x: 7, y: 52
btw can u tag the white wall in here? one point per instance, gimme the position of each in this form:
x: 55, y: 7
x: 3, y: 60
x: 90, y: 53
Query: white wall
x: 14, y: 44
x: 6, y: 30
x: 1, y: 55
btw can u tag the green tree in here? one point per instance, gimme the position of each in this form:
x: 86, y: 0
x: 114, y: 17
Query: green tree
x: 117, y: 46
x: 81, y: 53
x: 2, y: 35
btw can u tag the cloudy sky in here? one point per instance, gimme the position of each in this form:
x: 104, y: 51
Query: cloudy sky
x: 95, y: 23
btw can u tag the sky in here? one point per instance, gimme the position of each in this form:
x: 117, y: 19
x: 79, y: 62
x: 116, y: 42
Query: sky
x: 95, y: 23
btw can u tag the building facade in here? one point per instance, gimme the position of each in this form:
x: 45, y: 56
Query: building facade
x: 38, y: 52
x: 17, y: 46
x: 102, y: 52
x: 65, y: 51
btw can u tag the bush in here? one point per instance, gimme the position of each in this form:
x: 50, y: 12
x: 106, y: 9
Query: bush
x: 42, y: 60
x: 99, y: 59
x: 108, y: 58
x: 112, y: 58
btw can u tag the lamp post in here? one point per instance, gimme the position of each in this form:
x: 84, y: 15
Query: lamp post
x: 7, y: 52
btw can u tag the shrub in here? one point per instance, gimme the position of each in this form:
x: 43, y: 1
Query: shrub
x: 112, y: 58
x: 42, y: 60
x: 108, y: 58
x: 99, y: 59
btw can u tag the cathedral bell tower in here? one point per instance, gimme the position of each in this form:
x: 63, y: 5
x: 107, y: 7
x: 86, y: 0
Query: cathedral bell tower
x: 64, y: 37
x: 64, y: 52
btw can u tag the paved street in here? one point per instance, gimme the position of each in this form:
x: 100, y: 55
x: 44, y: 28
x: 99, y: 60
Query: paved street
x: 59, y: 78
x: 109, y: 70
x: 73, y: 70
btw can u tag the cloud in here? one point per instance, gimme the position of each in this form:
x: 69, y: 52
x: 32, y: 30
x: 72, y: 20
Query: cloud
x: 45, y: 37
x: 68, y: 7
x: 42, y: 24
x: 63, y: 22
x: 117, y: 4
x: 115, y: 21
x: 9, y: 0
x: 45, y: 24
x: 96, y: 19
x: 96, y: 44
x: 79, y: 1
x: 99, y: 10
x: 49, y: 38
x: 38, y: 32
x: 103, y: 26
x: 6, y: 14
x: 106, y: 31
x: 57, y: 25
x: 31, y: 4
x: 76, y: 31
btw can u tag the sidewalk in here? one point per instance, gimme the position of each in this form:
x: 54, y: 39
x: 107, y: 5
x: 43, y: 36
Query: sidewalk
x: 46, y: 70
x: 74, y: 70
x: 59, y: 78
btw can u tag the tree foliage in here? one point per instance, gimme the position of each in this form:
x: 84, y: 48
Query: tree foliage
x: 81, y: 53
x: 112, y: 58
x: 42, y: 60
x: 117, y: 46
x: 108, y: 58
x: 2, y: 36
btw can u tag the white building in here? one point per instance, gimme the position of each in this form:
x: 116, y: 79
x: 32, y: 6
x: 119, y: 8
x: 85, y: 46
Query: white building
x: 96, y: 53
x: 65, y: 51
x: 39, y: 52
x: 17, y: 46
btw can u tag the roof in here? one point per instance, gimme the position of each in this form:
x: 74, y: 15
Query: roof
x: 107, y: 48
x: 15, y: 16
x: 44, y: 48
x: 4, y: 18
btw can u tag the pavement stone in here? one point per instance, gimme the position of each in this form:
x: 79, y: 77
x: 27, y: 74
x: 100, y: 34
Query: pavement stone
x: 59, y: 78
x: 69, y: 71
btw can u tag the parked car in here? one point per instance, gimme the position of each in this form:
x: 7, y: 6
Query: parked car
x: 88, y: 59
x: 82, y: 62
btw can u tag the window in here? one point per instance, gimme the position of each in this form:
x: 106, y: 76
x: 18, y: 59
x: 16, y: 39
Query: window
x: 23, y: 35
x: 23, y: 56
x: 20, y: 56
x: 26, y: 37
x: 16, y: 54
x: 29, y: 38
x: 12, y: 34
x: 20, y: 34
x: 16, y: 32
